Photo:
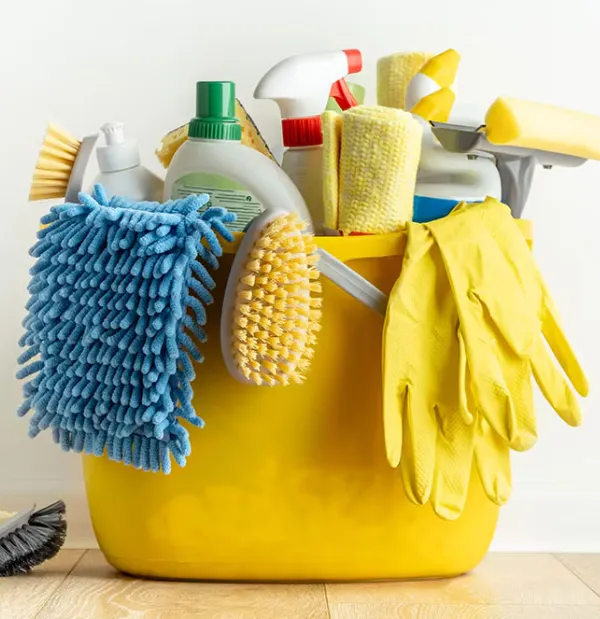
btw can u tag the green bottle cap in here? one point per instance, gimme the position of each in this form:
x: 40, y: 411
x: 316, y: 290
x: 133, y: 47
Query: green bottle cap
x: 215, y: 112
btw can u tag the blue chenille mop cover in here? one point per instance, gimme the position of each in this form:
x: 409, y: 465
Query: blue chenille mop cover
x: 118, y: 295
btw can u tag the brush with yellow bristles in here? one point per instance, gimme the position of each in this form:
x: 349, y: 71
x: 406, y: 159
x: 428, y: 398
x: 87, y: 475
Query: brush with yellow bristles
x: 271, y: 310
x: 272, y: 305
x: 61, y: 165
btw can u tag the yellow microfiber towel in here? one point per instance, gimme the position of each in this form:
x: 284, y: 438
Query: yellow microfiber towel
x: 436, y: 106
x: 381, y: 148
x: 332, y: 143
x: 514, y: 122
x: 394, y: 74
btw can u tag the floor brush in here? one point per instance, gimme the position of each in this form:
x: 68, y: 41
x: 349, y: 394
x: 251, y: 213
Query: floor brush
x: 29, y: 538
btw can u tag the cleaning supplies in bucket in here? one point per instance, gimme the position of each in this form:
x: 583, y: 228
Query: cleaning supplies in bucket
x: 121, y: 173
x: 214, y: 161
x: 469, y: 306
x: 117, y: 304
x: 61, y: 165
x: 301, y: 86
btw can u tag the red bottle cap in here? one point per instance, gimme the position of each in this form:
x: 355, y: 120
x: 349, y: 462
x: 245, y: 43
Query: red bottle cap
x: 354, y: 60
x: 302, y: 131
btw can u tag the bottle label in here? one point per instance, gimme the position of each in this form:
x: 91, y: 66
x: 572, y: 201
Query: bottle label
x: 223, y: 192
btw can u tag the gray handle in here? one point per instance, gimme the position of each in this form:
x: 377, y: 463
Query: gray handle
x: 351, y: 282
x: 516, y: 176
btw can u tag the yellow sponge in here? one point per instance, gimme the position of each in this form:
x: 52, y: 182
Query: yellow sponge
x: 436, y: 106
x: 332, y: 143
x: 381, y: 148
x: 250, y: 137
x: 536, y: 125
x: 394, y: 74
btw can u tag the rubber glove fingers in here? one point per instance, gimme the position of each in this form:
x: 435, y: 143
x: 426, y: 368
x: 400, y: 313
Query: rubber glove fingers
x: 554, y: 386
x: 492, y: 458
x: 417, y: 465
x: 492, y: 391
x: 560, y: 346
x: 518, y: 256
x: 453, y: 462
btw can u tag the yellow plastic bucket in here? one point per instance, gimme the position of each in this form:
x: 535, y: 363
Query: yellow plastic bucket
x: 289, y: 483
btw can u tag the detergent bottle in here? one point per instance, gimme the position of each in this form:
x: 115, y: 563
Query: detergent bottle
x: 214, y: 161
x: 121, y: 172
x: 301, y: 86
x: 444, y: 178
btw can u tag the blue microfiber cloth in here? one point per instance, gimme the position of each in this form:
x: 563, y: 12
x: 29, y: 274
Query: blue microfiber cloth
x: 118, y: 296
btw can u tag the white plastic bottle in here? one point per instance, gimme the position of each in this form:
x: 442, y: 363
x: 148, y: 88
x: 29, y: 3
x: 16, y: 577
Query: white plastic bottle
x: 121, y: 173
x: 214, y: 161
x: 301, y: 86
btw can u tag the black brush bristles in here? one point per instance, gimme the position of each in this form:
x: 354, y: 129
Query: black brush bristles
x: 38, y: 539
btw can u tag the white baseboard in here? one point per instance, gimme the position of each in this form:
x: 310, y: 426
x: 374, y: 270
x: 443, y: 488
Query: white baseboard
x: 533, y: 521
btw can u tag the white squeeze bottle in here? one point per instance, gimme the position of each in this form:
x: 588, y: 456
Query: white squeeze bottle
x: 121, y: 173
x: 214, y: 161
x: 301, y: 86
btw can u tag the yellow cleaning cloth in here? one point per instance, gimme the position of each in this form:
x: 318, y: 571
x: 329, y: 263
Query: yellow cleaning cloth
x: 545, y: 127
x: 332, y: 143
x: 379, y: 158
x: 437, y: 106
x: 394, y: 74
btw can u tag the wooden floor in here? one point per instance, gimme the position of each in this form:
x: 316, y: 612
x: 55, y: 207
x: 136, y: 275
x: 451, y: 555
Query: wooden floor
x: 80, y: 585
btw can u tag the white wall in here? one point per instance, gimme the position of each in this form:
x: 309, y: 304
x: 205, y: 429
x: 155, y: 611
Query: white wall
x: 80, y: 63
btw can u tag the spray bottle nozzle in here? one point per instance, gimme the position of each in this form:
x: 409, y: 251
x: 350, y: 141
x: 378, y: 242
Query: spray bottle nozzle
x: 113, y: 133
x: 355, y: 62
x: 342, y: 95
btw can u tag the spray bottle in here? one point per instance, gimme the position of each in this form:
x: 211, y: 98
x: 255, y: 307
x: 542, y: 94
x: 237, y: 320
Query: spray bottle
x: 121, y: 173
x: 301, y: 86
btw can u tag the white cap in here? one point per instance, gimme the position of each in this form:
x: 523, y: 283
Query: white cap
x: 119, y: 153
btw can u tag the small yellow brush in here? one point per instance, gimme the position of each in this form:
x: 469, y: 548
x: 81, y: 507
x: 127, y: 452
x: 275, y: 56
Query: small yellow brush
x: 61, y: 165
x: 271, y: 310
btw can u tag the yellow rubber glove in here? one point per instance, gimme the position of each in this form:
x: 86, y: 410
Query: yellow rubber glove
x: 504, y: 310
x: 426, y: 427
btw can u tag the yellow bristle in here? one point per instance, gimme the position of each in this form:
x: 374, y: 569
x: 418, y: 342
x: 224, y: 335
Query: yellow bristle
x: 277, y: 302
x: 54, y: 165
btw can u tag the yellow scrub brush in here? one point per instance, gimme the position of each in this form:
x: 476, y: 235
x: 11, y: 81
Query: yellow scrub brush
x: 271, y: 310
x: 61, y: 165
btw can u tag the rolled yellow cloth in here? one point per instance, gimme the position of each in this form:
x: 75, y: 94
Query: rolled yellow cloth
x: 380, y: 153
